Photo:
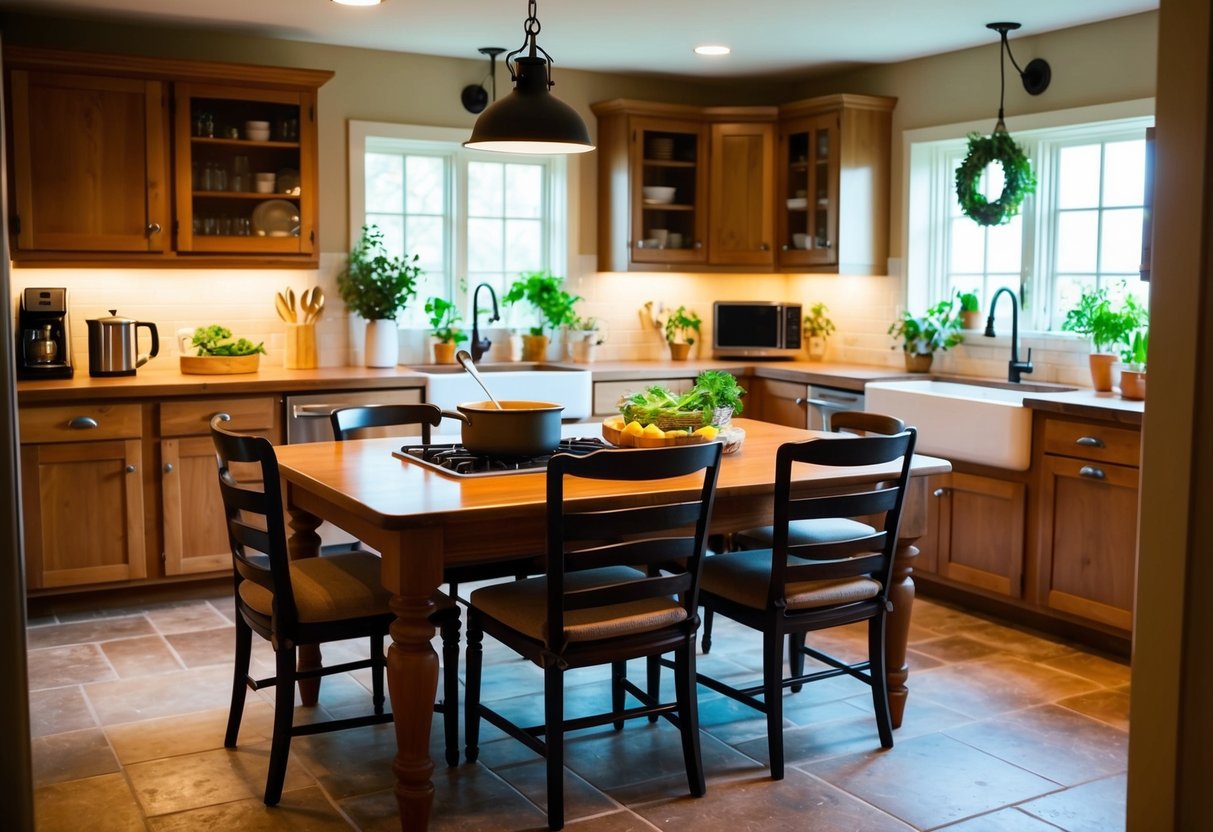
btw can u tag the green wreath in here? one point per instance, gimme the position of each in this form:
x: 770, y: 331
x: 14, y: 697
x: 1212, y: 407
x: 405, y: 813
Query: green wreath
x: 1018, y: 180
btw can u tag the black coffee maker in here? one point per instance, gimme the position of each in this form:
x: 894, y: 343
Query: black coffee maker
x: 43, y: 345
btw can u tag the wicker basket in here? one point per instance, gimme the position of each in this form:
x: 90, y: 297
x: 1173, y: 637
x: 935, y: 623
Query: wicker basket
x: 694, y: 419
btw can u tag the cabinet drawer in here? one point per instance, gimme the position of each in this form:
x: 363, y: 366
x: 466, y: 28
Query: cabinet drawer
x: 1099, y: 443
x: 193, y: 418
x: 80, y: 423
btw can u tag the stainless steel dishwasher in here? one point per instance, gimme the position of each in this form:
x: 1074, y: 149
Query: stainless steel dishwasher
x: 823, y: 402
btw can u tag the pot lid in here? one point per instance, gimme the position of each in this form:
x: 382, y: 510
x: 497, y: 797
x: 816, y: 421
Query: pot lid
x: 114, y: 318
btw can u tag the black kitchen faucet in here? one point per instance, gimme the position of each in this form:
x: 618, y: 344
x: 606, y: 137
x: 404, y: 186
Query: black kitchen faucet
x: 1015, y: 367
x: 481, y: 345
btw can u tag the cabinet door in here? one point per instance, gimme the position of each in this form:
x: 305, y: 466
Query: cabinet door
x: 90, y: 155
x: 980, y: 532
x: 779, y: 402
x: 668, y: 154
x: 808, y: 192
x: 83, y: 512
x: 741, y: 215
x: 219, y: 207
x: 1088, y: 544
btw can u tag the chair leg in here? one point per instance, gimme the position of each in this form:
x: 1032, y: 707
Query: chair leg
x: 450, y: 692
x: 880, y: 688
x: 653, y: 681
x: 619, y: 672
x: 379, y: 660
x: 772, y: 690
x: 471, y: 690
x: 553, y: 708
x: 796, y: 657
x: 284, y: 711
x: 708, y: 615
x: 688, y: 715
x: 244, y: 652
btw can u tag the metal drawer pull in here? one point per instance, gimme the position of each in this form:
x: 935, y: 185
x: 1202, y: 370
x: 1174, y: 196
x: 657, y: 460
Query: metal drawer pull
x: 939, y: 492
x: 130, y: 469
x: 1092, y: 472
x: 800, y: 401
x: 82, y: 423
x: 1089, y: 441
x: 168, y: 467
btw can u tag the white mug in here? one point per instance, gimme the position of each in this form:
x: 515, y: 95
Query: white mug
x: 185, y: 341
x: 674, y: 240
x: 661, y: 235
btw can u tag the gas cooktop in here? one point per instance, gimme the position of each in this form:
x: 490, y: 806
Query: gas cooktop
x: 455, y: 460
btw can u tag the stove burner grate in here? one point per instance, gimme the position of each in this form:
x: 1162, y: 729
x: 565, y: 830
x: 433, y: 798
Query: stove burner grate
x: 456, y: 460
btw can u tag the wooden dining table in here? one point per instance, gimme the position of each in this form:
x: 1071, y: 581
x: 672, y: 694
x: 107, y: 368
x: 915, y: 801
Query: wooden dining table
x: 422, y: 521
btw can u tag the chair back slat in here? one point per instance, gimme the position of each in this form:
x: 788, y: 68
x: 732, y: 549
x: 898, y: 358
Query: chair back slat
x: 347, y: 422
x: 252, y: 503
x: 653, y: 535
x: 865, y: 422
x: 876, y: 497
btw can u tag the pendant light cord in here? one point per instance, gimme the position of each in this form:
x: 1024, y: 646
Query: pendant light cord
x: 530, y: 32
x: 1002, y: 80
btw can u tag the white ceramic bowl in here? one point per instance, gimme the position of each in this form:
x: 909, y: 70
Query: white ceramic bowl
x: 257, y: 131
x: 658, y: 193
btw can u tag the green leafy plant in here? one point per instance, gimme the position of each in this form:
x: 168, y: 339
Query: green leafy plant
x: 1018, y: 179
x: 968, y: 301
x: 817, y: 323
x: 443, y: 319
x: 682, y: 325
x: 1098, y: 318
x: 937, y: 329
x: 217, y: 340
x: 375, y: 285
x: 1135, y: 354
x: 545, y: 292
x: 713, y: 389
x: 588, y: 329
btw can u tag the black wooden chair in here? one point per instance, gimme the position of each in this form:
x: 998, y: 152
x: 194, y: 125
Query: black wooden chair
x: 799, y: 587
x: 620, y: 584
x: 298, y: 602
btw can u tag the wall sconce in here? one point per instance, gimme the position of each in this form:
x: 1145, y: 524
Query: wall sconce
x: 474, y: 96
x: 1035, y: 76
x: 530, y: 119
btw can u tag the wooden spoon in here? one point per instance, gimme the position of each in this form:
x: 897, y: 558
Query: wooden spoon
x: 284, y: 309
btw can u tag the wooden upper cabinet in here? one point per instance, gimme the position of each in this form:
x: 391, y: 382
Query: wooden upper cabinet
x: 91, y: 170
x: 670, y: 229
x: 110, y: 164
x: 741, y: 213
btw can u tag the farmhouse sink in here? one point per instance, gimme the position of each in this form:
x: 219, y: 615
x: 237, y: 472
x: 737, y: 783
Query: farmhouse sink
x: 447, y: 385
x: 977, y: 421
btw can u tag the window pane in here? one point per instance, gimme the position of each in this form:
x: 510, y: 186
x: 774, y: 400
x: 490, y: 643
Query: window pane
x: 968, y: 246
x: 524, y: 244
x: 392, y: 226
x: 384, y: 182
x: 1078, y: 177
x: 524, y: 185
x: 1124, y: 173
x: 485, y: 245
x: 486, y: 194
x: 1066, y: 290
x: 426, y: 188
x: 425, y: 239
x: 1006, y: 246
x: 1120, y: 243
x: 1077, y: 236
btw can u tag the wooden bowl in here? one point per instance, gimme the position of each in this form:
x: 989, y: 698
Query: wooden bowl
x: 219, y: 365
x: 612, y: 432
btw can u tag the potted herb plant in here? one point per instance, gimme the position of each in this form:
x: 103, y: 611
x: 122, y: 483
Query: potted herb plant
x: 681, y: 328
x: 1096, y: 317
x: 552, y: 304
x: 921, y: 335
x: 444, y: 319
x: 585, y: 335
x: 1133, y: 376
x: 970, y: 311
x: 376, y: 287
x: 817, y: 328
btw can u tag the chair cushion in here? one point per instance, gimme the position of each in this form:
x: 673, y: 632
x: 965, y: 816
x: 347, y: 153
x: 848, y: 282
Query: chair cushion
x: 522, y: 606
x: 823, y: 530
x: 744, y: 577
x: 331, y: 588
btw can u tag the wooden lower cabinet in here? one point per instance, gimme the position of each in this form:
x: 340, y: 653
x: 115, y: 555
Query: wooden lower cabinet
x: 977, y: 532
x: 781, y: 402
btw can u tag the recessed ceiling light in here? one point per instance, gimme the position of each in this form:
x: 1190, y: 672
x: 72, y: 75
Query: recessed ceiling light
x: 358, y: 2
x: 712, y: 49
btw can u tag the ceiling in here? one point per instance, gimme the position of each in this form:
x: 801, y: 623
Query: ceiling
x: 770, y: 38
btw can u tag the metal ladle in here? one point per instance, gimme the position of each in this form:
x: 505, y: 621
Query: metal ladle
x: 465, y: 358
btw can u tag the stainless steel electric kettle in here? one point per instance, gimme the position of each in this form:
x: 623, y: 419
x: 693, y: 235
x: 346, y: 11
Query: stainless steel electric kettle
x: 113, y: 345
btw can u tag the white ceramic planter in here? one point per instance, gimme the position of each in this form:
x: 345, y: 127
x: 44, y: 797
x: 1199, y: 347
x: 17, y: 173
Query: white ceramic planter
x: 382, y: 343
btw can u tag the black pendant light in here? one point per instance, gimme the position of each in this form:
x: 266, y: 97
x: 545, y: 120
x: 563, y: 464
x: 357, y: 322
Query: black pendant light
x: 530, y: 119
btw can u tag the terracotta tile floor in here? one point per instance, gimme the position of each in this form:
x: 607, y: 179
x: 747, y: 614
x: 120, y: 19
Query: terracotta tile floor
x: 1005, y: 730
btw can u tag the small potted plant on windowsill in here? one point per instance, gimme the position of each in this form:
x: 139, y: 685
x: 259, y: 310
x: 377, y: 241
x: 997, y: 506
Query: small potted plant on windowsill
x: 552, y: 304
x: 1133, y: 376
x: 681, y: 329
x: 585, y: 336
x: 922, y: 335
x: 970, y: 311
x: 444, y: 318
x: 817, y: 329
x: 1107, y: 326
x: 376, y: 287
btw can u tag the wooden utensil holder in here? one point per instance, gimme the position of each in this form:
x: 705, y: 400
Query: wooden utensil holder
x: 300, y: 347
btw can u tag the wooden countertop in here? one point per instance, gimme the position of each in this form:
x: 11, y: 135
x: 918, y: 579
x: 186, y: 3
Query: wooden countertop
x: 1088, y: 404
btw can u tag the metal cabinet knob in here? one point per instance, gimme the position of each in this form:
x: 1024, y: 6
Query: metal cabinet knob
x: 168, y: 467
x: 153, y: 228
x: 130, y: 469
x: 764, y: 247
x: 1092, y: 472
x: 939, y: 492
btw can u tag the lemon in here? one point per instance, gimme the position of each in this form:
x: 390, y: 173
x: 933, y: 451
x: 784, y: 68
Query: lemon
x: 633, y: 429
x: 614, y: 423
x: 707, y: 431
x: 653, y: 431
x: 670, y: 433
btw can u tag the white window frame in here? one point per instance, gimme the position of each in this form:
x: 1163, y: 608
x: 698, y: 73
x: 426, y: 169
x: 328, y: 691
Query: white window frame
x: 924, y: 203
x: 417, y: 139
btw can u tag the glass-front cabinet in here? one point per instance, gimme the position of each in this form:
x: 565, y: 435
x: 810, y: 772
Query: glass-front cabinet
x: 809, y: 191
x: 248, y: 158
x: 669, y: 199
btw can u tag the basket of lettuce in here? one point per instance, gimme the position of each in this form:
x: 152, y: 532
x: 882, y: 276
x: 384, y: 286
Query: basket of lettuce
x: 656, y: 416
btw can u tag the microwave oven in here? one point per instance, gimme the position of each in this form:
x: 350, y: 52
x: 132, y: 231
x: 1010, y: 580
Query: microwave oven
x: 755, y: 329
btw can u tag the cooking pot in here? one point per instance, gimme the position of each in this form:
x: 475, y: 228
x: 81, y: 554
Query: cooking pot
x: 113, y: 345
x: 519, y: 428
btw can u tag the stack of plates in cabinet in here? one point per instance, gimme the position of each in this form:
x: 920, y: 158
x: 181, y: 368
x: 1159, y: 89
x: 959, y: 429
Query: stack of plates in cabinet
x: 661, y: 148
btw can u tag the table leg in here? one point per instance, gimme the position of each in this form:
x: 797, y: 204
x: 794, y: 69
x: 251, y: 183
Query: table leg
x: 305, y: 543
x: 901, y: 595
